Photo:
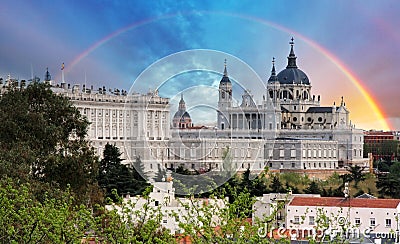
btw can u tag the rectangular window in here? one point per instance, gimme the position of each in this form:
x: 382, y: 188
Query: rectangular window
x: 388, y: 223
x: 296, y: 220
x: 279, y: 215
x: 304, y: 153
x: 311, y: 220
x: 182, y: 152
x: 309, y: 153
x: 281, y: 153
x: 293, y: 153
x: 357, y: 221
x: 372, y: 222
x: 293, y: 165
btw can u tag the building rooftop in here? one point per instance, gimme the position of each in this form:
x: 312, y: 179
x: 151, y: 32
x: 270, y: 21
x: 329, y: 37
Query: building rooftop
x: 344, y: 202
x: 319, y: 110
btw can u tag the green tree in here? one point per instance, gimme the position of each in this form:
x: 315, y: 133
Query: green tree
x: 389, y: 184
x: 276, y: 185
x: 357, y: 174
x: 23, y: 219
x: 313, y: 188
x: 113, y: 174
x: 182, y: 170
x: 42, y: 141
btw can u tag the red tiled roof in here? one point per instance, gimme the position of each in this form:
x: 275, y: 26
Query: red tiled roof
x: 378, y: 133
x: 343, y: 202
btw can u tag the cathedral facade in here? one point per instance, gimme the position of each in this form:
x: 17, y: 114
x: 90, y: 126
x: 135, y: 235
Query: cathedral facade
x: 288, y: 130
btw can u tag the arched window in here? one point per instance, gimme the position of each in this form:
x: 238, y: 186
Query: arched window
x: 305, y: 95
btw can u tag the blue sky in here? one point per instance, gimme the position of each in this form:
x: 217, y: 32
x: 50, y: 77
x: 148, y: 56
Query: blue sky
x: 362, y: 35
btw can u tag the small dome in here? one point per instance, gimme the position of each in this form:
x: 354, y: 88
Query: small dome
x: 181, y: 114
x: 186, y: 115
x: 293, y: 76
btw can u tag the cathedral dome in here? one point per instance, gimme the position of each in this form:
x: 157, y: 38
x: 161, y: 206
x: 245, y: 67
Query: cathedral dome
x: 186, y: 115
x: 181, y: 114
x: 293, y: 76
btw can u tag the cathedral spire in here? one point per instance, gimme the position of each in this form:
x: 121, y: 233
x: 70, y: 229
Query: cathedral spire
x: 47, y: 76
x: 225, y: 78
x: 225, y: 71
x: 182, y: 104
x: 292, y: 57
x: 273, y: 76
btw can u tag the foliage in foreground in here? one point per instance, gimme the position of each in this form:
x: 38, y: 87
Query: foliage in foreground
x: 42, y: 142
x: 23, y: 219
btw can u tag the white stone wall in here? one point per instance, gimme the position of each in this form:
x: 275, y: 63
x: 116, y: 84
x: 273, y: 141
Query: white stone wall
x: 135, y: 123
x: 344, y: 215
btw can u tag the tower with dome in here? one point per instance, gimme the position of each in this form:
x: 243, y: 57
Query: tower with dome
x: 182, y: 118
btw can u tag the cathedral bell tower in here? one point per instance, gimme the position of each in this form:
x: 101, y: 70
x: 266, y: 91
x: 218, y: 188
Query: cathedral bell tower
x: 273, y: 86
x: 224, y: 101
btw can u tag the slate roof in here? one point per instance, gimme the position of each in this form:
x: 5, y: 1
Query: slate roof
x: 319, y: 110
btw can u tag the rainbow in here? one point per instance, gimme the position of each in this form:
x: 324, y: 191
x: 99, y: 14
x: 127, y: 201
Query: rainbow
x: 336, y: 61
x: 107, y: 38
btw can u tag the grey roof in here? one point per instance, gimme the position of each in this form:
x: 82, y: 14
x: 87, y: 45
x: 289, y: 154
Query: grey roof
x: 181, y: 114
x: 293, y: 76
x: 366, y: 195
x: 225, y: 79
x: 319, y: 110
